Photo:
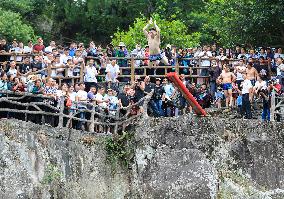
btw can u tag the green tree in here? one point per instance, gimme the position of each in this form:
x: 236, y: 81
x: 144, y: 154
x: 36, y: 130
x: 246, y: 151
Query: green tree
x: 12, y: 26
x: 172, y: 32
x: 251, y: 22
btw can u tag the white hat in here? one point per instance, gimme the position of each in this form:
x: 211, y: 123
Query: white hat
x: 121, y: 44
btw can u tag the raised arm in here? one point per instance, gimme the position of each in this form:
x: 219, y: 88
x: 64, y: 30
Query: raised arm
x: 156, y: 27
x: 147, y: 26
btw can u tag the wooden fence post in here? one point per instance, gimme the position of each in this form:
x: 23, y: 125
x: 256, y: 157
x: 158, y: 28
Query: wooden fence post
x: 115, y: 131
x: 176, y: 66
x: 132, y: 69
x: 82, y: 72
x: 48, y: 70
x: 92, y: 125
x: 272, y: 112
x: 61, y: 109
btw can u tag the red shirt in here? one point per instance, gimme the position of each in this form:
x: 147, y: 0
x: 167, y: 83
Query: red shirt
x: 38, y: 47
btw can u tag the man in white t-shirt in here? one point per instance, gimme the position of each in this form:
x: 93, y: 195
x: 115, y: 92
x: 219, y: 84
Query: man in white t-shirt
x: 51, y: 46
x: 82, y: 96
x: 101, y: 101
x: 91, y: 74
x: 280, y: 70
x: 29, y: 48
x: 112, y: 72
x: 205, y: 56
x: 246, y: 99
x: 12, y: 70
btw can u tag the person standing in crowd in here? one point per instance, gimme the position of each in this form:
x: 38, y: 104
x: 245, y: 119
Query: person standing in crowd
x: 247, y: 90
x: 51, y: 46
x: 280, y: 70
x: 154, y: 40
x: 90, y: 78
x: 39, y: 47
x: 226, y: 79
x: 214, y: 72
x: 263, y: 69
x: 239, y: 71
x: 251, y: 73
x: 112, y: 72
x: 157, y: 99
x: 82, y: 98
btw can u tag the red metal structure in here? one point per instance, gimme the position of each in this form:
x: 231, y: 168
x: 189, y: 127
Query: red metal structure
x: 186, y: 94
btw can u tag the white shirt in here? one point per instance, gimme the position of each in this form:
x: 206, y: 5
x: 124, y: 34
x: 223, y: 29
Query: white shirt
x: 280, y: 69
x: 113, y: 70
x: 260, y: 85
x: 205, y: 55
x: 246, y: 86
x: 48, y: 49
x: 28, y: 49
x: 13, y: 72
x: 82, y: 95
x: 91, y: 73
x: 99, y: 97
x: 17, y: 50
x: 64, y: 58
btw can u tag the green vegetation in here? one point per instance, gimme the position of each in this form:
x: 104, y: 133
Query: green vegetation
x: 52, y: 174
x: 120, y: 150
x: 183, y: 22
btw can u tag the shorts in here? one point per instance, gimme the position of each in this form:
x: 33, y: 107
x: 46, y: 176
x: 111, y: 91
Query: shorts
x: 227, y: 86
x: 253, y: 82
x: 155, y: 57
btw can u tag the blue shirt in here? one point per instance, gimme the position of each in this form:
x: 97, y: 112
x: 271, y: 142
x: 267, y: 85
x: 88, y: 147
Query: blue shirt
x: 72, y: 52
x: 239, y: 100
x: 169, y: 90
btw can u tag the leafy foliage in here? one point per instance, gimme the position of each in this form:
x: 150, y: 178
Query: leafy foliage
x: 12, y: 26
x: 183, y: 22
x: 120, y: 149
x: 172, y: 32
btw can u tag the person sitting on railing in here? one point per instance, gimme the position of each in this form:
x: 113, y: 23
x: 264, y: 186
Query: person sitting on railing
x: 39, y: 47
x: 91, y: 73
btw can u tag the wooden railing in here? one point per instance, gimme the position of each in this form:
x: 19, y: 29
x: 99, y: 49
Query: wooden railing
x: 194, y: 70
x: 23, y: 105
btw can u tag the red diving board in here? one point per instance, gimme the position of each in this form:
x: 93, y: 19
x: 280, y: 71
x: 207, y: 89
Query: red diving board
x: 186, y: 94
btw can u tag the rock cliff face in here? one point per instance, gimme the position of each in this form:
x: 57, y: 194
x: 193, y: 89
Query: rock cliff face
x: 184, y: 157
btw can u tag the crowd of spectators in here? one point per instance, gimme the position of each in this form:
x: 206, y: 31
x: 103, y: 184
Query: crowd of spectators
x: 237, y: 77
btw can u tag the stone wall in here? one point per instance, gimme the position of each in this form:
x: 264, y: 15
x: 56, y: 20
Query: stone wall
x: 184, y: 157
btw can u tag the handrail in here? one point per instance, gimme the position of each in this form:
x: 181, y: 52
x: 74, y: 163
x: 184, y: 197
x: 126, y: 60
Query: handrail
x: 130, y: 69
x: 58, y: 111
